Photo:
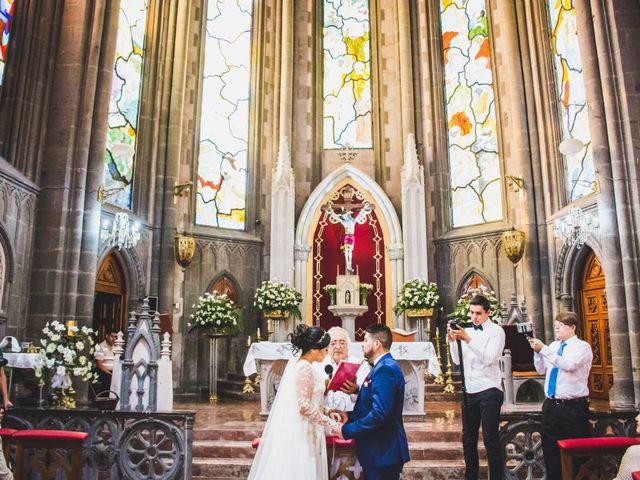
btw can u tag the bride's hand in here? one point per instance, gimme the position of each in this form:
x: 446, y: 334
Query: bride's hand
x: 336, y: 416
x: 337, y: 432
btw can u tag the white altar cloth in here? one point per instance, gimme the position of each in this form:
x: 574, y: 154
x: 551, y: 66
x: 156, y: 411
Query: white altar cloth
x: 269, y: 358
x: 399, y: 350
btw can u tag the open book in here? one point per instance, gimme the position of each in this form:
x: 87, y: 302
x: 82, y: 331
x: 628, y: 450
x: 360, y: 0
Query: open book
x: 400, y: 335
x: 346, y: 371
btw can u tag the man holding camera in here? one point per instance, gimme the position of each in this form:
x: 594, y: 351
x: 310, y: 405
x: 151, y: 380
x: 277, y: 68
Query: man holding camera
x: 482, y: 346
x: 565, y: 412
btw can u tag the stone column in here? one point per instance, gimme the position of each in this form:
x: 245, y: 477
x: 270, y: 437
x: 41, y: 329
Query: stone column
x: 67, y: 212
x: 301, y: 255
x: 610, y: 157
x: 406, y: 74
x: 282, y: 217
x: 414, y: 224
x: 396, y: 255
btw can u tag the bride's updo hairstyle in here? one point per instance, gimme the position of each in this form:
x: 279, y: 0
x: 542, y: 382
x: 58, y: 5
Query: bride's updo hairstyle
x: 305, y: 338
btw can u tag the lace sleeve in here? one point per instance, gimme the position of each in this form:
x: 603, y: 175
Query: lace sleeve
x: 305, y: 383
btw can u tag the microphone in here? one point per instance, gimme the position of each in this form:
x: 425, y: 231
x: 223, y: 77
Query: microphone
x: 328, y: 369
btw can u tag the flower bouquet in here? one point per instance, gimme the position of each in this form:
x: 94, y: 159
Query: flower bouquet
x: 462, y: 313
x: 277, y: 299
x: 66, y: 352
x: 417, y: 297
x: 331, y: 290
x: 215, y: 315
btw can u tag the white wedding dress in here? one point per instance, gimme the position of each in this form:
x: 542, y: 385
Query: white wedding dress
x: 293, y: 445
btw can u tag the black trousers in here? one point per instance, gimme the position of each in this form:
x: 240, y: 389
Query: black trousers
x: 482, y: 408
x: 560, y: 421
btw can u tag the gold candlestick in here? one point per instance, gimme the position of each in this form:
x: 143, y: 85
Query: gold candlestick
x: 449, y: 388
x: 248, y: 386
x: 439, y: 380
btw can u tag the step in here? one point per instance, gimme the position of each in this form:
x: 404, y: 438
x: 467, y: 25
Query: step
x: 219, y: 468
x: 222, y: 449
x: 227, y: 433
x: 239, y: 395
x: 227, y: 469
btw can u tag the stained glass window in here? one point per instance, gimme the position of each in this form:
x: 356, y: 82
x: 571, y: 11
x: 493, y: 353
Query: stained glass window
x: 224, y: 124
x: 347, y: 74
x: 6, y: 17
x: 572, y: 99
x: 125, y: 103
x: 474, y: 165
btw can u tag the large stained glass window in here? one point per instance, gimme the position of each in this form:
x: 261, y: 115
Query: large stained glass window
x: 224, y: 123
x: 125, y: 103
x: 476, y: 191
x: 572, y: 99
x: 347, y: 74
x: 6, y: 17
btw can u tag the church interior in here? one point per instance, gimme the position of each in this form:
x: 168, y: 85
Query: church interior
x: 155, y: 151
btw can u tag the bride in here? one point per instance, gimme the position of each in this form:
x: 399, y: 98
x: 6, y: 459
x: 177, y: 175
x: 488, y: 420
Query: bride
x: 293, y: 441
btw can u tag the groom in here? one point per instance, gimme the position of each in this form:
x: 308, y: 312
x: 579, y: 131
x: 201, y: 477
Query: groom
x: 376, y: 420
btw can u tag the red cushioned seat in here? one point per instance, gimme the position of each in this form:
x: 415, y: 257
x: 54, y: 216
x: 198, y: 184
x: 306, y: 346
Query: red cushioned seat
x: 7, y: 432
x: 340, y: 442
x: 598, y: 443
x: 635, y: 475
x: 331, y: 442
x: 52, y: 435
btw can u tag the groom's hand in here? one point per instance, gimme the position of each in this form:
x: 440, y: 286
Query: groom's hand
x: 337, y: 432
x: 350, y: 387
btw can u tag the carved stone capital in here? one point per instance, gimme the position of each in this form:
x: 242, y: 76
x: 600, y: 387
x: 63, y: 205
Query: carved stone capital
x: 396, y: 251
x: 301, y: 252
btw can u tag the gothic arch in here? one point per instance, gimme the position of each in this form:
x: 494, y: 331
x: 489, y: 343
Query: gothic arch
x: 569, y: 270
x: 6, y: 266
x: 310, y: 214
x: 470, y: 276
x: 133, y: 272
x: 226, y: 275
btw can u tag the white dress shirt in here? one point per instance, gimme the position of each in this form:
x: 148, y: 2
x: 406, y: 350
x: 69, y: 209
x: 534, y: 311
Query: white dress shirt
x: 573, y: 367
x: 339, y: 400
x: 481, y: 357
x: 105, y: 353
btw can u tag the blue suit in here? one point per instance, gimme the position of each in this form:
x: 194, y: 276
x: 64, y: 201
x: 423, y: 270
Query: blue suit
x: 376, y: 422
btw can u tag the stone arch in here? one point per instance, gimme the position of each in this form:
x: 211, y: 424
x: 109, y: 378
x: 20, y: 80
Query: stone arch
x: 310, y: 214
x: 226, y: 275
x: 469, y: 277
x: 6, y: 265
x: 134, y: 273
x: 569, y: 270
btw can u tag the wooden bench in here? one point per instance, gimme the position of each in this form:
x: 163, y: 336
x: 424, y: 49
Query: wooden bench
x: 591, y: 447
x: 51, y: 440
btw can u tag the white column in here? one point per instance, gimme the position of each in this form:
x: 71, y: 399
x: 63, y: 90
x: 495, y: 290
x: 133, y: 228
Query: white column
x: 396, y: 255
x: 282, y: 217
x: 301, y: 256
x: 414, y: 224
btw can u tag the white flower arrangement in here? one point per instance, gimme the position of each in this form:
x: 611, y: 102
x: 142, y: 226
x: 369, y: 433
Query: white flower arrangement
x: 462, y: 312
x: 271, y: 296
x: 416, y: 294
x: 63, y: 356
x: 215, y: 311
x: 365, y: 288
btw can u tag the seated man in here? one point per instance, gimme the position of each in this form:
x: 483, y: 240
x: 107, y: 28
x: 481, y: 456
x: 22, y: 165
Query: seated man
x: 104, y: 360
x: 339, y: 350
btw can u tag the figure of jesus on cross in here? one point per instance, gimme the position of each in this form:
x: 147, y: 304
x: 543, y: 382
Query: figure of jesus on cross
x: 343, y: 214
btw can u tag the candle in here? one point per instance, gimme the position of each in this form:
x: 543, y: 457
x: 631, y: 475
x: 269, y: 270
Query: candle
x: 259, y: 336
x: 72, y: 326
x: 249, y: 341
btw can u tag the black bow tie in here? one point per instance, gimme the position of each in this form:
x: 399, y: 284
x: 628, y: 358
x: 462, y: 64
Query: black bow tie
x: 477, y: 327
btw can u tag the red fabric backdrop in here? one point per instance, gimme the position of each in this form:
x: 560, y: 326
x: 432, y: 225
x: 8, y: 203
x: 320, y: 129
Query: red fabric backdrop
x: 368, y: 259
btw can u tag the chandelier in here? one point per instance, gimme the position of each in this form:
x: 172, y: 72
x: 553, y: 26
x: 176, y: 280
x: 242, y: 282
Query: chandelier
x: 576, y: 227
x: 120, y: 233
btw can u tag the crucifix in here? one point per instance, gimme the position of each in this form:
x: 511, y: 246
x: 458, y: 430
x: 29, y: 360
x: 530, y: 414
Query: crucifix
x: 343, y: 214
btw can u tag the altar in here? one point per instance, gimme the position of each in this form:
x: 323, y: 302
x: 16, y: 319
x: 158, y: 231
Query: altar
x: 270, y: 360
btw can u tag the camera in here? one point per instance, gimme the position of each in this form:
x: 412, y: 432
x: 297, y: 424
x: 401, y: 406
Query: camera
x: 3, y: 362
x: 455, y: 325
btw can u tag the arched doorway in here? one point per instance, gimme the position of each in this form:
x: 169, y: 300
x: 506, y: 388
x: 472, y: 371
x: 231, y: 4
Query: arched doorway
x: 109, y: 306
x: 224, y: 285
x: 595, y: 326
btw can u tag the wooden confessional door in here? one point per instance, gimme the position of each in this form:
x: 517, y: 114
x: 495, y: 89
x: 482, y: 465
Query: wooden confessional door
x: 110, y: 299
x: 595, y: 326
